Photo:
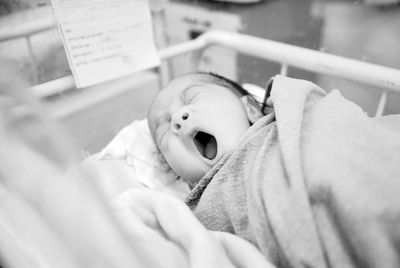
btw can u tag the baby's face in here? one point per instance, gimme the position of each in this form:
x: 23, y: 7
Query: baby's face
x: 194, y: 123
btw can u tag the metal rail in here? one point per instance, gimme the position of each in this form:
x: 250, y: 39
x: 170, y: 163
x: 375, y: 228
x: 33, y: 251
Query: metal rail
x: 290, y: 55
x: 385, y: 78
x: 27, y: 28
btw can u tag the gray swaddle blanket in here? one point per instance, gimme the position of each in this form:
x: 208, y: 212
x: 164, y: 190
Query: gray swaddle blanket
x: 316, y: 184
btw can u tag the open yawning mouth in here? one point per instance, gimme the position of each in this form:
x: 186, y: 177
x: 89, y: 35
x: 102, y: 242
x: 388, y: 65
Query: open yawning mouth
x: 206, y: 144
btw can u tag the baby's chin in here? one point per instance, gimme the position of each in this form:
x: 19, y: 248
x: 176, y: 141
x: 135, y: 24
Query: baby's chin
x: 193, y: 179
x: 204, y: 165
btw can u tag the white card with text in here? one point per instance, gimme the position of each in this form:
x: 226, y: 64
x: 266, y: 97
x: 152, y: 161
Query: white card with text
x: 106, y: 39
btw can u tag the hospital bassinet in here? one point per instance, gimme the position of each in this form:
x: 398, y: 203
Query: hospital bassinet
x: 142, y: 86
x: 288, y: 56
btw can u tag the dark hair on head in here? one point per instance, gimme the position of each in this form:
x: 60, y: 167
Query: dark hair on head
x: 235, y: 87
x: 223, y: 81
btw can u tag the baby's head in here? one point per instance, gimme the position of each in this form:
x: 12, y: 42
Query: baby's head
x: 196, y: 119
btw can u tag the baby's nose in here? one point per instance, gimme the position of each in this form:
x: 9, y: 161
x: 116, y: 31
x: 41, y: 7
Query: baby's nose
x: 178, y: 120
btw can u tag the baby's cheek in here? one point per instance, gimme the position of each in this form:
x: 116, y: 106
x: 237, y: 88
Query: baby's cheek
x: 174, y: 154
x: 185, y: 164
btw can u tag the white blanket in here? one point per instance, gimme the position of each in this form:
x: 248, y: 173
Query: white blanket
x: 129, y: 160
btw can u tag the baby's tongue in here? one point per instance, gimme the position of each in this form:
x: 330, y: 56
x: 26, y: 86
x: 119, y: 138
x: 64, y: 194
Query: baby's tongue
x: 210, y: 151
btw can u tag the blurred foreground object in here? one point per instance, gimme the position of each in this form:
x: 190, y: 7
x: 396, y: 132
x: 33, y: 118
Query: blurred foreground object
x: 49, y: 218
x: 52, y: 214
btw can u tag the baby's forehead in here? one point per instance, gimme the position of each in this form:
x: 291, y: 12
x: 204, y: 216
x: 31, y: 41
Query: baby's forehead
x: 179, y: 84
x: 174, y: 89
x: 206, y: 78
x: 189, y: 79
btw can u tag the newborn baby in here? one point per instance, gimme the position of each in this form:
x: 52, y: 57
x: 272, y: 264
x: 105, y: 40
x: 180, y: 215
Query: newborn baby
x: 196, y: 119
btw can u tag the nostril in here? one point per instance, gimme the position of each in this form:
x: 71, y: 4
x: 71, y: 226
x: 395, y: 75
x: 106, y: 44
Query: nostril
x: 177, y: 126
x: 185, y: 115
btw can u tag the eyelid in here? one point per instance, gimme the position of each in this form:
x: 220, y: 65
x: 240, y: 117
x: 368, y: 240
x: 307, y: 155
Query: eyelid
x: 189, y: 94
x: 185, y: 99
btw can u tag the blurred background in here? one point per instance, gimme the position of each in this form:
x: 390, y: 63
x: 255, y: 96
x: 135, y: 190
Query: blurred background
x: 366, y: 30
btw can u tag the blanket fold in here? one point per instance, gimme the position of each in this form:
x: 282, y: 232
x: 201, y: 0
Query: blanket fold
x: 316, y: 187
x: 161, y: 222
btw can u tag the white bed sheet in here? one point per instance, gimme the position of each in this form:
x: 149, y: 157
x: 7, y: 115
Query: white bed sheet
x: 130, y: 161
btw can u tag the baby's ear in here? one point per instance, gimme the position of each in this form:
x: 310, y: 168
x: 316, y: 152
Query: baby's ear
x: 252, y: 108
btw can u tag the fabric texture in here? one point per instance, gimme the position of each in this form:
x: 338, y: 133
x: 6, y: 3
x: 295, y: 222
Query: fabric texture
x: 161, y: 224
x: 319, y: 186
x: 135, y: 146
x: 130, y: 160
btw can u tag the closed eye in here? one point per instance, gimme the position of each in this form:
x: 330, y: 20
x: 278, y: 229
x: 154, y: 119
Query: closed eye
x: 189, y: 94
x: 185, y: 99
